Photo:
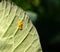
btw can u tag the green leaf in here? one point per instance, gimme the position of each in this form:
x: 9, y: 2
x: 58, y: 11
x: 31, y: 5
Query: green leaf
x: 36, y: 2
x: 32, y: 15
x: 13, y: 39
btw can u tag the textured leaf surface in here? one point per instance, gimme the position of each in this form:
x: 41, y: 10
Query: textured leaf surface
x: 13, y: 39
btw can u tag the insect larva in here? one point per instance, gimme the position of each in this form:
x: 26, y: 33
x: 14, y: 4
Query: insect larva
x: 20, y: 25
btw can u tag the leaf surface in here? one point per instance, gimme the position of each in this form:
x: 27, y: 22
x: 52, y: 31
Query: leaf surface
x: 12, y: 39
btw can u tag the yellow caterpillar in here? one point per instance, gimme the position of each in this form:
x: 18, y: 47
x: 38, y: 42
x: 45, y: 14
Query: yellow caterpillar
x: 20, y: 25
